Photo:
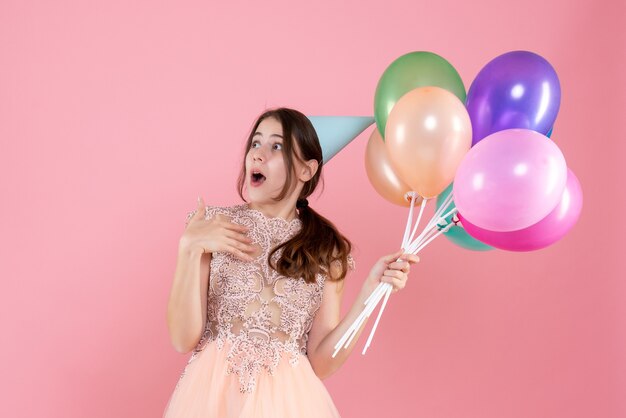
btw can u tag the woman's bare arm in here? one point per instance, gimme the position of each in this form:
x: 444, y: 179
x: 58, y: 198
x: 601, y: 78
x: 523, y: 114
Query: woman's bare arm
x: 187, y: 305
x: 327, y: 328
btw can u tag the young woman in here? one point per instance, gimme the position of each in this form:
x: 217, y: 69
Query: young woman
x: 258, y: 287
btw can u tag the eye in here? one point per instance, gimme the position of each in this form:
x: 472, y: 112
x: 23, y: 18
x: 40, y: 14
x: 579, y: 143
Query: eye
x: 278, y: 146
x: 254, y: 143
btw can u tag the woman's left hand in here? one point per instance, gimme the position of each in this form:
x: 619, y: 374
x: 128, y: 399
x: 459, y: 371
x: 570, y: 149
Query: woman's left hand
x: 388, y: 270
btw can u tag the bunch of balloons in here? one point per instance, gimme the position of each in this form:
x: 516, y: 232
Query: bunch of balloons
x: 507, y: 179
x: 487, y: 158
x: 513, y: 190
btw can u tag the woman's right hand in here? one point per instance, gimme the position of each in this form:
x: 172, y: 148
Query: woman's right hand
x: 216, y: 234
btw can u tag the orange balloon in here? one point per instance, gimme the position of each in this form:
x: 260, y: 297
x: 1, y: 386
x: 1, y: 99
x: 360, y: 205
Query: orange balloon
x: 381, y: 174
x: 427, y: 135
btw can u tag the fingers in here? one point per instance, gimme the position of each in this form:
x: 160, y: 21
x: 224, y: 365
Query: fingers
x: 397, y: 274
x: 237, y: 232
x: 198, y: 212
x: 398, y: 268
x: 392, y: 257
x: 225, y: 222
x: 404, y: 262
x: 238, y: 236
x: 400, y: 265
x: 235, y: 227
x: 241, y: 246
x: 201, y: 207
x: 239, y: 249
x: 240, y: 254
x: 411, y: 258
x: 243, y: 251
x: 397, y: 283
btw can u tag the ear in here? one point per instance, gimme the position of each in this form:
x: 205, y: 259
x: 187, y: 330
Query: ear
x: 309, y: 168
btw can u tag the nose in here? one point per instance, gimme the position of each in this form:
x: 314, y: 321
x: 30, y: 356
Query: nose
x: 258, y: 154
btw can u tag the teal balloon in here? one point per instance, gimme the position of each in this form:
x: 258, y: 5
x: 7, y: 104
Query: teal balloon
x: 335, y: 132
x: 549, y: 134
x: 457, y: 234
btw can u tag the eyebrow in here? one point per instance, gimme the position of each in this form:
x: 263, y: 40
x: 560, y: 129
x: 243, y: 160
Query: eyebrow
x: 259, y: 133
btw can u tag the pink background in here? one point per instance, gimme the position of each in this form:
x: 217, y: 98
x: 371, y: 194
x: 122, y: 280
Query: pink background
x: 116, y: 115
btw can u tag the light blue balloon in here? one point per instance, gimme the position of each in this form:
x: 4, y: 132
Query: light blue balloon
x: 335, y: 132
x: 457, y: 234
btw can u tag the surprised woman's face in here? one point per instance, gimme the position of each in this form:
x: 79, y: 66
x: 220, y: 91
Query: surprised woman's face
x: 266, y: 170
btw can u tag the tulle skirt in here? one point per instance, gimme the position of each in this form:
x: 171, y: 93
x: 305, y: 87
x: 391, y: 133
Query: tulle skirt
x: 205, y: 390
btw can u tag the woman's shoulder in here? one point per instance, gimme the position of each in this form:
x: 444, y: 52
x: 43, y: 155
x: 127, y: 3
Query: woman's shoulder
x: 212, y: 210
x: 337, y: 262
x: 231, y: 211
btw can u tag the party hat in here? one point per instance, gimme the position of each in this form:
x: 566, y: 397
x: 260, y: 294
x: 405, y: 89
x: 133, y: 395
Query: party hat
x: 335, y: 132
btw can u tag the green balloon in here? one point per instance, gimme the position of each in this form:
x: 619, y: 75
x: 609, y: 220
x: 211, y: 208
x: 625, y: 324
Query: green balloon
x: 410, y: 71
x: 457, y: 234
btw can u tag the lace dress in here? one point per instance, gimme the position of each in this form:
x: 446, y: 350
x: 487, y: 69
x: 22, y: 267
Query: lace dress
x: 251, y: 359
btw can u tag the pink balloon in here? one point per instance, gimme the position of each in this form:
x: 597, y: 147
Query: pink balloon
x: 510, y: 180
x: 546, y: 232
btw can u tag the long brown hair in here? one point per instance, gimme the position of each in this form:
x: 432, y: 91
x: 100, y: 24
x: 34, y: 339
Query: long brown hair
x: 318, y: 243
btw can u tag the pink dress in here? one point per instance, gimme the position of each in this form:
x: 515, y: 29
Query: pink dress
x: 251, y: 359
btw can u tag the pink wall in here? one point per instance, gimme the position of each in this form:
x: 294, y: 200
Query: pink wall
x: 115, y: 115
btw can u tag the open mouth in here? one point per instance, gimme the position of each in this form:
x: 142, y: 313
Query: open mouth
x: 257, y: 178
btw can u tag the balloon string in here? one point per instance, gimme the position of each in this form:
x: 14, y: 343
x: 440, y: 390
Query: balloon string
x: 356, y: 325
x: 375, y: 296
x: 424, y: 201
x: 404, y: 246
x: 423, y: 237
x: 371, y: 296
x: 420, y: 237
x: 442, y: 226
x: 436, y: 226
x: 441, y: 231
x: 449, y: 213
x: 435, y: 218
x: 445, y: 204
x: 409, y: 220
x: 380, y: 313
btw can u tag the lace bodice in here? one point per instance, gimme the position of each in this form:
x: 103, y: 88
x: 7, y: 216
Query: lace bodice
x: 262, y: 313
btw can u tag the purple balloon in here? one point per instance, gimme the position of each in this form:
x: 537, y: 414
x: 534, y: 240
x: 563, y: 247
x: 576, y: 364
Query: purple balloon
x: 542, y: 234
x: 510, y: 180
x: 519, y: 89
